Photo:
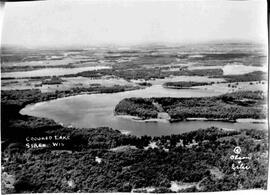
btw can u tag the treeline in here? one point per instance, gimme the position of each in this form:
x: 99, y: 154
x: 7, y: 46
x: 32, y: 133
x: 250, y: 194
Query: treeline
x: 228, y: 107
x: 28, y: 96
x: 74, y: 167
x: 42, y: 170
x: 231, y: 106
x: 52, y: 81
x: 140, y: 107
x: 185, y: 84
x: 138, y: 72
x: 148, y: 73
x: 225, y: 56
x: 12, y: 101
x: 252, y: 76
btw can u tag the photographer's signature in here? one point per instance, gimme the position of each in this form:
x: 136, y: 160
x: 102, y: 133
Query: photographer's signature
x: 239, y: 164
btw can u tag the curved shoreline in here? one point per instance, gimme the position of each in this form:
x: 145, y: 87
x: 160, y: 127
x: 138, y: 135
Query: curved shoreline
x: 59, y: 97
x: 139, y: 119
x: 239, y: 120
x: 134, y: 118
x: 174, y: 87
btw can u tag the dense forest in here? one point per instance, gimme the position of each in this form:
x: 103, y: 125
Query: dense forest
x: 28, y: 96
x: 201, y: 158
x: 252, y: 76
x: 148, y: 73
x: 231, y: 106
x: 104, y: 160
x: 141, y: 107
x: 184, y: 84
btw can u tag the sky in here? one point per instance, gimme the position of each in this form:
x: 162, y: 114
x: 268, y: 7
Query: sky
x: 123, y: 22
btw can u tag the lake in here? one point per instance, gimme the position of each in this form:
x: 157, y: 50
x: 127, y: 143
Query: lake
x: 96, y: 110
x: 232, y: 68
x: 50, y: 72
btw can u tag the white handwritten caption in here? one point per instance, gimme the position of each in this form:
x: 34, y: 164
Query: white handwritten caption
x: 239, y: 165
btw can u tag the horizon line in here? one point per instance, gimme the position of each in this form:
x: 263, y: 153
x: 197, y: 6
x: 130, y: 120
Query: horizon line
x: 151, y: 43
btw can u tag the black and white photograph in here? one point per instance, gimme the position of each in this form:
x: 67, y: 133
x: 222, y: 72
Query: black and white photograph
x: 134, y: 96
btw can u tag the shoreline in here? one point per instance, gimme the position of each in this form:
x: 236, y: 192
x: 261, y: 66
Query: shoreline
x: 73, y: 94
x: 173, y: 87
x: 156, y: 120
x: 139, y: 119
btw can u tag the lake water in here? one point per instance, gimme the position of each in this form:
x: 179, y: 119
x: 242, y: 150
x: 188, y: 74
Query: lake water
x: 96, y: 110
x: 232, y: 68
x: 51, y: 71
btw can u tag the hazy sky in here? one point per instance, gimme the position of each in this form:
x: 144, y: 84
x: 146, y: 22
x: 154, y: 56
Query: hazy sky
x: 67, y: 22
